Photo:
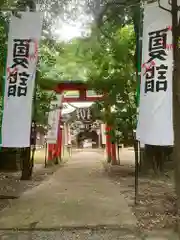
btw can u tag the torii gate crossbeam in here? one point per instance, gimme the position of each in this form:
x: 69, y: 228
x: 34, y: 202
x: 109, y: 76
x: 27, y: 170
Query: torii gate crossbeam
x: 54, y: 150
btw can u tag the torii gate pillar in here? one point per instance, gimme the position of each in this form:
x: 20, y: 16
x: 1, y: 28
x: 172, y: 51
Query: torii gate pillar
x: 108, y: 144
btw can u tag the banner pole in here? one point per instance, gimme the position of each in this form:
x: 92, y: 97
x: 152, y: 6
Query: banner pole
x: 136, y: 142
x: 30, y: 154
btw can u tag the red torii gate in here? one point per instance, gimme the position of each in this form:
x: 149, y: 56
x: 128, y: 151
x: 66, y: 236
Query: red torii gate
x: 55, y: 150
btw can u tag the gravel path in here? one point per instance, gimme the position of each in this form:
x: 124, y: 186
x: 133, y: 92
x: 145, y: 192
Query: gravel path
x: 78, y: 193
x: 85, y: 234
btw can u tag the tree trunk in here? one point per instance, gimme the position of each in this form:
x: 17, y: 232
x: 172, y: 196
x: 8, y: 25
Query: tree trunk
x: 26, y: 164
x: 9, y: 159
x: 154, y: 158
x: 146, y: 163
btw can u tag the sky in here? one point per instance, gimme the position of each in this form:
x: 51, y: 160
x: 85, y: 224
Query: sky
x: 66, y: 32
x: 74, y: 23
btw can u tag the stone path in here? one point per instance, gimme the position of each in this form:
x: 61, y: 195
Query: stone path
x: 77, y: 202
x: 79, y: 195
x: 69, y: 235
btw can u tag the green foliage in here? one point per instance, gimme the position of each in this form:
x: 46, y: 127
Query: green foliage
x: 112, y: 72
x: 61, y: 62
x: 105, y: 60
x: 69, y: 62
x: 43, y: 99
x: 3, y: 42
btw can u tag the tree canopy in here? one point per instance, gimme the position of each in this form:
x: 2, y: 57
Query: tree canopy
x: 104, y: 58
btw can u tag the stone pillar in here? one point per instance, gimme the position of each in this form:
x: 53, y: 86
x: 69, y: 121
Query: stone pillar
x: 62, y: 144
x: 69, y: 145
x: 68, y: 134
x: 65, y: 134
x: 103, y: 135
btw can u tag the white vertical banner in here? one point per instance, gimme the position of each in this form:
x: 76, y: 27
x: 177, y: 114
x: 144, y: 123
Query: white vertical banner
x: 65, y: 134
x: 53, y: 120
x: 103, y: 133
x: 155, y: 123
x: 23, y: 41
x: 69, y: 133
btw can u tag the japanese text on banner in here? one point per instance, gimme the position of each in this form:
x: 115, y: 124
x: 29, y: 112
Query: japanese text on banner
x: 18, y: 74
x: 155, y: 75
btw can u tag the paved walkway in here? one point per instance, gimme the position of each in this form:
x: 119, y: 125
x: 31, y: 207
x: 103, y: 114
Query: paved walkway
x: 77, y: 195
x: 77, y: 202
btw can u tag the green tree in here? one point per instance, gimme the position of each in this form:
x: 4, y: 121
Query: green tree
x: 105, y: 59
x: 112, y: 72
